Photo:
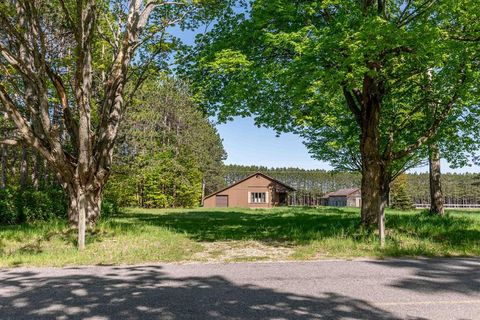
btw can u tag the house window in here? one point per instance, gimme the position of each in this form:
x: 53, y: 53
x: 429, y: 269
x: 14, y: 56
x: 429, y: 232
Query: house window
x: 258, y: 197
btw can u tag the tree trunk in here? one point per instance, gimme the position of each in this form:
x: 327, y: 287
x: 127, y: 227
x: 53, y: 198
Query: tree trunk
x: 37, y: 160
x: 24, y: 168
x: 375, y: 181
x: 369, y: 149
x: 83, y: 199
x: 436, y: 193
x: 83, y: 209
x: 3, y: 155
x: 375, y: 191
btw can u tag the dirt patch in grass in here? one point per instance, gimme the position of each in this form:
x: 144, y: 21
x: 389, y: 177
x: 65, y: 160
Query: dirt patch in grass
x: 229, y: 251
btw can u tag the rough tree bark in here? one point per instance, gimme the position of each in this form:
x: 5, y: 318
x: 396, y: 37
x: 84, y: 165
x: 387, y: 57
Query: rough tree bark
x: 93, y: 203
x: 436, y: 193
x: 374, y: 177
x: 36, y: 171
x: 23, y: 168
x: 3, y: 155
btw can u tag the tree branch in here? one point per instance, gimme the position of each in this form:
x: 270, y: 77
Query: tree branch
x: 396, y: 51
x: 70, y: 123
x: 421, y: 9
x: 68, y: 16
x: 352, y: 105
x: 430, y: 132
x: 9, y: 142
x: 24, y: 129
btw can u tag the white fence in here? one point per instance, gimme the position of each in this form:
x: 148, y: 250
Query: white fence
x: 450, y: 205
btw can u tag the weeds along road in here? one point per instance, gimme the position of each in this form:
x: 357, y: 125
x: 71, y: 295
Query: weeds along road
x: 361, y: 289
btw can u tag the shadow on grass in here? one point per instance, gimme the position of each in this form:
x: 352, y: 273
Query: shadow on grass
x: 303, y: 225
x: 147, y: 292
x: 33, y: 236
x: 409, y: 234
x: 450, y: 230
x: 288, y: 225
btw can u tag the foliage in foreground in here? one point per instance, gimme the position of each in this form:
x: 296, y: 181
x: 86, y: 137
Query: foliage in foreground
x: 142, y: 235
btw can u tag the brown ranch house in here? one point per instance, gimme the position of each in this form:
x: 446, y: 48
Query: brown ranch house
x: 343, y: 198
x: 255, y: 191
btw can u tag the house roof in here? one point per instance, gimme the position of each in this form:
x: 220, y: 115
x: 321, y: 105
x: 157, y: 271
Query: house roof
x: 251, y: 176
x: 341, y: 192
x: 326, y: 195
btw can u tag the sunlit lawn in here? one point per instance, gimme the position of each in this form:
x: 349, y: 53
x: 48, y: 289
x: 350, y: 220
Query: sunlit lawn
x: 206, y: 235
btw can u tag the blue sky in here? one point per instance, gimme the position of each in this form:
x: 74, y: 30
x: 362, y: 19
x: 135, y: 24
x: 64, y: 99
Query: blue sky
x: 247, y: 144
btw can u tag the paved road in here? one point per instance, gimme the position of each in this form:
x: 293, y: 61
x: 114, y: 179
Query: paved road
x: 390, y: 289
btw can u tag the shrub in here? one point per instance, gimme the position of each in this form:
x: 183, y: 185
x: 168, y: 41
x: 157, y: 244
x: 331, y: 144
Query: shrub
x: 109, y: 208
x: 20, y: 206
x: 41, y: 205
x: 8, y: 211
x: 27, y: 206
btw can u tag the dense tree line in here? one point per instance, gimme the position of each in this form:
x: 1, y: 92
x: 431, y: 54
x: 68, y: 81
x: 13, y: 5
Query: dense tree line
x: 319, y: 181
x: 457, y: 188
x: 166, y: 149
x: 29, y: 189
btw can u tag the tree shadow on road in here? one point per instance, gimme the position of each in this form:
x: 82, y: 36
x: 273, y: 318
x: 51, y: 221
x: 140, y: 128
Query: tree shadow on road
x: 146, y: 292
x: 460, y: 276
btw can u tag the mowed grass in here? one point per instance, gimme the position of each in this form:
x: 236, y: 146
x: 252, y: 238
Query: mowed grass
x: 141, y: 236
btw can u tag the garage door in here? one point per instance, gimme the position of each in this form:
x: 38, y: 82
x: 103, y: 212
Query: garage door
x: 221, y: 201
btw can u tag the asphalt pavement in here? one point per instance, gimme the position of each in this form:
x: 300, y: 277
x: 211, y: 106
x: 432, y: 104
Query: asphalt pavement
x: 360, y: 289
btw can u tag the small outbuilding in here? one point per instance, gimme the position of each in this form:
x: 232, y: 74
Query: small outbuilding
x: 350, y: 197
x: 255, y: 191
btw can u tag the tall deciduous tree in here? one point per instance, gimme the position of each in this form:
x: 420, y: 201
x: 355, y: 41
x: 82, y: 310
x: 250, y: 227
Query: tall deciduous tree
x: 458, y: 143
x: 83, y: 60
x: 320, y: 64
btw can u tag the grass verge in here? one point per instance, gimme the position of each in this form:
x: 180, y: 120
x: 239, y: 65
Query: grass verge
x: 204, y: 235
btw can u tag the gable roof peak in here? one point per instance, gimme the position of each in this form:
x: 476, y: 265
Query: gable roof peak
x: 249, y: 177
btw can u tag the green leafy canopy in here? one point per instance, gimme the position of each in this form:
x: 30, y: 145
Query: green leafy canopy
x: 290, y: 64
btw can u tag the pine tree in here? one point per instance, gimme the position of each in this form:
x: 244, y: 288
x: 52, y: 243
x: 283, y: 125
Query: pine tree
x: 401, y: 200
x: 166, y: 148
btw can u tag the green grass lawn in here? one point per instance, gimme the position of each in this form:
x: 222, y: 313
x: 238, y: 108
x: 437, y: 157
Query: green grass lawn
x: 140, y: 236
